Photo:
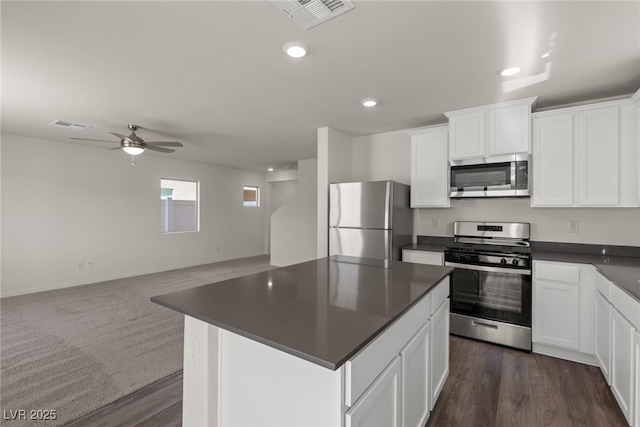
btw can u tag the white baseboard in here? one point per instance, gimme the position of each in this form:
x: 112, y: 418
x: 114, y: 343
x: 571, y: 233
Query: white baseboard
x: 117, y: 276
x: 566, y: 354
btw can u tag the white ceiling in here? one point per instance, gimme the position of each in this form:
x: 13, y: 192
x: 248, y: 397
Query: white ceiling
x: 213, y: 75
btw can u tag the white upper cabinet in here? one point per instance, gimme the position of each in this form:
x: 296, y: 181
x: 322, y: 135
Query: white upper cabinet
x: 598, y: 147
x: 490, y: 130
x: 429, y: 167
x: 509, y: 129
x: 468, y: 136
x: 552, y: 160
x: 586, y: 156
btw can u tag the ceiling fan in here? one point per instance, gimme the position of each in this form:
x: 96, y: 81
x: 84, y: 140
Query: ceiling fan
x: 134, y: 145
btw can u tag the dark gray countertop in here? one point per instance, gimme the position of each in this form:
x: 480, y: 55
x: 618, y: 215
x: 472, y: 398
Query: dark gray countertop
x: 624, y: 271
x: 620, y: 264
x: 323, y: 311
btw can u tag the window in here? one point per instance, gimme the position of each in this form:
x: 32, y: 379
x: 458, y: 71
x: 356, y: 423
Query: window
x: 178, y: 205
x: 251, y: 196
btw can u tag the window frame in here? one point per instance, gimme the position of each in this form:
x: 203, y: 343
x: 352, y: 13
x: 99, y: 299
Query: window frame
x: 164, y: 229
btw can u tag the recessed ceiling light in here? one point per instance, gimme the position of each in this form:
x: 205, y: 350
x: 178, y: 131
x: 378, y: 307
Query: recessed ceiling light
x: 369, y: 102
x: 270, y: 169
x: 294, y: 50
x: 510, y: 71
x: 546, y: 54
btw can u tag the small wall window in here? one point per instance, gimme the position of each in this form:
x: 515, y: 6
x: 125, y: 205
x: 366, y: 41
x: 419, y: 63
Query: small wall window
x: 251, y: 196
x: 178, y: 205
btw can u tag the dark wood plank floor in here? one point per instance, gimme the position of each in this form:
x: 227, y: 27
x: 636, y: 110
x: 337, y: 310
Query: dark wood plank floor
x: 488, y: 386
x: 157, y: 405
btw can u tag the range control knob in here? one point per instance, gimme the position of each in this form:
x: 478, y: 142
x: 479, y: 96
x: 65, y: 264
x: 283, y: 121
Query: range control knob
x: 515, y: 262
x: 503, y: 261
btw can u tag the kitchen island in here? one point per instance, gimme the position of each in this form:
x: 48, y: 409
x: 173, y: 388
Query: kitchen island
x: 325, y: 342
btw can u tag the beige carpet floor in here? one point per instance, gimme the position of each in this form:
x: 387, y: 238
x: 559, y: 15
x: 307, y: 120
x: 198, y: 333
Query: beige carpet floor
x: 76, y: 349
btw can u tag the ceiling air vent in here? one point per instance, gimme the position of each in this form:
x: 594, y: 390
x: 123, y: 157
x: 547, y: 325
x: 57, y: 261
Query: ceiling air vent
x: 69, y: 125
x: 309, y: 13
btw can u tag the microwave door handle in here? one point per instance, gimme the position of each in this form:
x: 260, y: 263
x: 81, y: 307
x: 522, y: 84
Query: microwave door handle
x: 513, y: 175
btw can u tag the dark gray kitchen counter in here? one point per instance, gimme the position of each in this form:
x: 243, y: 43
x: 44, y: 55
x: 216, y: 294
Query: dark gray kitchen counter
x: 624, y: 271
x: 323, y: 311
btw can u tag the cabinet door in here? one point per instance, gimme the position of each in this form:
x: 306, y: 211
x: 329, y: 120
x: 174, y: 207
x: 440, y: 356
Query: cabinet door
x: 467, y: 135
x: 557, y: 314
x: 380, y: 405
x: 552, y: 160
x: 416, y: 390
x: 439, y: 350
x: 430, y: 169
x: 598, y: 161
x: 622, y: 336
x: 603, y: 335
x: 636, y: 389
x: 509, y: 130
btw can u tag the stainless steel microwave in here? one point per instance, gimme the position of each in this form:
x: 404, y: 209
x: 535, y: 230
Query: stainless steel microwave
x: 498, y: 176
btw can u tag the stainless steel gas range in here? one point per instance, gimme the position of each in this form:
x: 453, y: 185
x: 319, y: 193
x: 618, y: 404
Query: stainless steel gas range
x: 491, y: 283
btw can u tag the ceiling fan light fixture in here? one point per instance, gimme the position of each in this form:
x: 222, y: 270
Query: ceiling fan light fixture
x: 134, y: 151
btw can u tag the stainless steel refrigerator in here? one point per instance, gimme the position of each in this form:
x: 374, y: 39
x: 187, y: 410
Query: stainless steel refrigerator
x: 369, y: 219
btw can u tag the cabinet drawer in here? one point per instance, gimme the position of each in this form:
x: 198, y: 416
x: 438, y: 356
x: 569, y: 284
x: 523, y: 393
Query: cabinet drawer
x: 365, y: 366
x: 626, y: 305
x: 603, y: 285
x: 557, y: 272
x: 439, y: 294
x: 423, y: 257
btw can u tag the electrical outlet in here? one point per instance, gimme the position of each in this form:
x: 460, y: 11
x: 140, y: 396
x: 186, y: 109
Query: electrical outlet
x: 574, y: 226
x: 436, y: 222
x: 80, y: 265
x: 89, y: 263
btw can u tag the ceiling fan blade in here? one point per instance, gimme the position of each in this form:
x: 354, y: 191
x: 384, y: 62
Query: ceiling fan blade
x: 97, y: 140
x: 119, y: 135
x: 160, y: 149
x: 164, y: 143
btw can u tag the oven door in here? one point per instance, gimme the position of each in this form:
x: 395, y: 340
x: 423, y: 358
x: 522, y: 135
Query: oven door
x: 495, y: 293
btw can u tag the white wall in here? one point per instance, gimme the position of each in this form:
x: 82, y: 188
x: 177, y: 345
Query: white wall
x: 388, y: 155
x: 335, y: 164
x: 293, y: 225
x: 281, y: 186
x: 382, y: 156
x: 65, y: 204
x: 613, y: 226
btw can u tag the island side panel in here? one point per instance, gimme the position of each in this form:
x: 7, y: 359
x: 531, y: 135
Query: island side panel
x: 200, y: 397
x: 260, y: 385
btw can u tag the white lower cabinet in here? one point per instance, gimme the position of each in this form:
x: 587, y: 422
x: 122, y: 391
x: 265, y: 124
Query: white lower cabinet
x: 563, y: 310
x: 380, y: 405
x: 578, y: 313
x: 558, y: 314
x: 396, y: 379
x: 416, y: 384
x: 622, y: 358
x: 439, y: 350
x: 603, y: 335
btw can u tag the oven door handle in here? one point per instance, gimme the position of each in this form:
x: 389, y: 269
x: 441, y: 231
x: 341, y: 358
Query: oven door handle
x: 489, y: 269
